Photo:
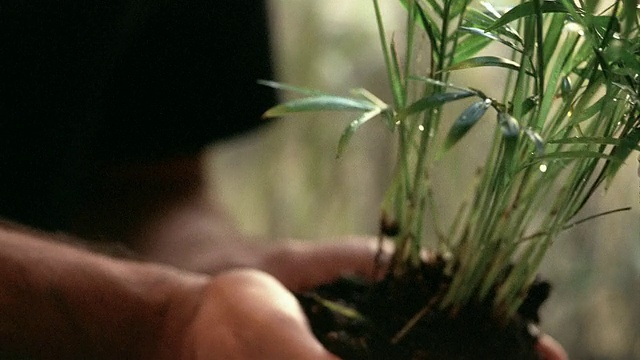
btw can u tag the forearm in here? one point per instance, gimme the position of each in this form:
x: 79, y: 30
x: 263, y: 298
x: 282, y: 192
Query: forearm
x: 60, y: 302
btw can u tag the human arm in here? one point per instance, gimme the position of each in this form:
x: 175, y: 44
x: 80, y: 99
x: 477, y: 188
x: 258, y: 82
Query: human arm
x: 57, y: 301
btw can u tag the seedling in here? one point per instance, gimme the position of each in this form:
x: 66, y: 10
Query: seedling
x: 566, y: 113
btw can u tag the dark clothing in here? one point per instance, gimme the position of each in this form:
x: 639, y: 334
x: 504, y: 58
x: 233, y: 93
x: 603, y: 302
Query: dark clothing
x: 90, y: 82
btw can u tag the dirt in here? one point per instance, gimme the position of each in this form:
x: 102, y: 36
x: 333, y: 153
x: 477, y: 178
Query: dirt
x: 401, y: 319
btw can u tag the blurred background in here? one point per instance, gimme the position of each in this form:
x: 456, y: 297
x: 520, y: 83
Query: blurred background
x: 284, y: 181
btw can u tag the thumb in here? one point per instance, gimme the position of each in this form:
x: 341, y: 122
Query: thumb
x: 248, y: 314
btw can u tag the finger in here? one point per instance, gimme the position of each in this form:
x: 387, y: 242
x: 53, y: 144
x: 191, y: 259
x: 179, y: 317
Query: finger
x: 304, y: 265
x: 250, y: 315
x: 550, y: 349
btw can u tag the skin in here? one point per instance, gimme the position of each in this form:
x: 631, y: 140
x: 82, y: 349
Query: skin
x: 268, y: 312
x: 198, y: 290
x: 550, y: 349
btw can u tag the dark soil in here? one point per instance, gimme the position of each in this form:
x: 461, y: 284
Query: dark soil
x: 471, y: 332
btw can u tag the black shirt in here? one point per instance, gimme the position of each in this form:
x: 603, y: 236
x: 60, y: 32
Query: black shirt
x: 86, y: 82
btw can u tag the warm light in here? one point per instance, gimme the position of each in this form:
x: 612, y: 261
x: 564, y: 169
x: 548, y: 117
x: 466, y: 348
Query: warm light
x: 543, y: 168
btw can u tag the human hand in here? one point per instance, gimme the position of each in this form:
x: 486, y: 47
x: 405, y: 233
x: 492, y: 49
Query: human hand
x: 301, y: 266
x: 248, y: 314
x: 550, y: 349
x: 304, y: 265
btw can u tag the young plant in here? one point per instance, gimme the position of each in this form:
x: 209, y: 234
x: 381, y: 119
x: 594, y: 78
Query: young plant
x: 567, y: 117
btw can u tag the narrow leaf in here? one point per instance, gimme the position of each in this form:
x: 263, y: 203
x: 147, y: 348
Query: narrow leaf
x: 427, y: 23
x: 528, y: 9
x: 530, y: 103
x: 437, y: 9
x: 396, y: 79
x: 587, y: 113
x: 320, y: 103
x: 434, y: 101
x: 300, y: 90
x: 536, y: 139
x: 630, y: 13
x: 490, y: 9
x: 575, y: 155
x: 470, y: 46
x: 338, y: 308
x: 481, y: 61
x: 351, y: 129
x: 443, y: 84
x: 465, y: 122
x: 597, y: 141
x: 480, y: 32
x: 553, y: 35
x: 509, y: 125
x: 604, y: 22
x: 484, y: 20
x: 628, y: 143
x: 566, y: 87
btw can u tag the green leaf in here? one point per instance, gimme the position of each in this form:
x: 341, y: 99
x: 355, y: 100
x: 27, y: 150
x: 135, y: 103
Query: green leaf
x: 553, y: 35
x: 527, y: 9
x: 320, y: 103
x: 538, y: 143
x: 629, y: 142
x: 588, y: 113
x: 457, y: 7
x: 286, y: 87
x: 430, y: 27
x: 434, y: 101
x: 394, y: 76
x: 579, y: 154
x: 630, y: 12
x: 397, y: 77
x: 509, y: 125
x: 590, y: 140
x: 437, y: 9
x: 490, y: 36
x: 490, y: 11
x: 351, y: 129
x: 484, y: 20
x: 470, y: 46
x: 530, y: 103
x: 443, y: 84
x: 579, y: 57
x: 566, y: 87
x: 338, y: 308
x: 603, y: 22
x: 482, y: 61
x: 465, y: 122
